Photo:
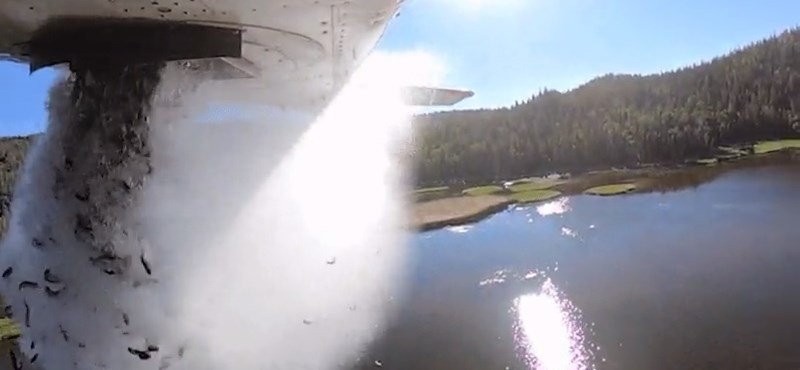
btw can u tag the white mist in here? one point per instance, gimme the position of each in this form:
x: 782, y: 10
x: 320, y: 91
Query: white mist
x: 271, y: 246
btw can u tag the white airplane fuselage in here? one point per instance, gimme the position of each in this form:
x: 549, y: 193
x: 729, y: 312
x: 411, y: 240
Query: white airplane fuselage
x: 294, y: 54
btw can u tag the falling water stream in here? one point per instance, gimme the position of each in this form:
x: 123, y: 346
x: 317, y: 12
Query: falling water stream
x: 142, y: 240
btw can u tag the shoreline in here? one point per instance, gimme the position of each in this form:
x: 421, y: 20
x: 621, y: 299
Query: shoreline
x: 453, y: 208
x: 441, y: 213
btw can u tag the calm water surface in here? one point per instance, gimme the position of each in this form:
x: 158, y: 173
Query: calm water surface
x: 704, y: 278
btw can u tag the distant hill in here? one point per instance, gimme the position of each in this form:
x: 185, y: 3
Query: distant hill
x: 621, y: 120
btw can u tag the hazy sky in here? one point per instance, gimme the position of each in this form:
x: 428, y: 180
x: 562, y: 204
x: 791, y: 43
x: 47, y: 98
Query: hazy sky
x: 506, y: 50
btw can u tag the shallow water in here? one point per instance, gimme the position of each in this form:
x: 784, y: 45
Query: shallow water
x: 704, y: 278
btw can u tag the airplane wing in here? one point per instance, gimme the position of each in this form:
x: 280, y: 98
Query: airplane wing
x: 420, y: 95
x: 294, y: 54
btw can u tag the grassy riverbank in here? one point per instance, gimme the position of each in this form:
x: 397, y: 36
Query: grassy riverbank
x: 449, y: 206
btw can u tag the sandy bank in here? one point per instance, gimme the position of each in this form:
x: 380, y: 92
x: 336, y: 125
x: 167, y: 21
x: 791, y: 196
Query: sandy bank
x: 456, y: 211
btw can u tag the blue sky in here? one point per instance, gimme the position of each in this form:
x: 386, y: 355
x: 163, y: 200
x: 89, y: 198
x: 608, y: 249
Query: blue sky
x: 506, y: 50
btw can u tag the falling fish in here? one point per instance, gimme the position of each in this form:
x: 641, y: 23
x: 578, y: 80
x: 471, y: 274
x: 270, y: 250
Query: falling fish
x: 15, y: 364
x: 52, y: 292
x: 28, y: 284
x: 64, y: 333
x: 8, y: 272
x: 146, y: 265
x: 141, y: 354
x: 50, y: 278
x: 27, y: 315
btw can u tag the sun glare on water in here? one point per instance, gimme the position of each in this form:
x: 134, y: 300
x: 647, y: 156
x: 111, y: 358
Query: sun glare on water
x: 549, y: 331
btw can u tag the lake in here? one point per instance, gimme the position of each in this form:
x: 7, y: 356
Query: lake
x: 702, y: 278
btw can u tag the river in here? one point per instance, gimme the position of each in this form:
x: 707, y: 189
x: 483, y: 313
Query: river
x: 701, y: 278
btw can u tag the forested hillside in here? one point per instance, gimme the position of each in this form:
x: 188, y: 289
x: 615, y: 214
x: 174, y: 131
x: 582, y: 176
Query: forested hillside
x: 621, y: 120
x: 12, y: 151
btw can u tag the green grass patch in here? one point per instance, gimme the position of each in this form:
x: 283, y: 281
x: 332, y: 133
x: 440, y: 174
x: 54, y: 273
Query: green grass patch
x: 483, y: 190
x: 535, y: 196
x: 707, y: 161
x: 542, y: 184
x: 733, y: 151
x: 439, y: 189
x: 774, y: 146
x: 611, y: 189
x: 8, y: 329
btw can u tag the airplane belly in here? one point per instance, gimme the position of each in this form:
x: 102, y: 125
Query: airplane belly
x: 313, y: 44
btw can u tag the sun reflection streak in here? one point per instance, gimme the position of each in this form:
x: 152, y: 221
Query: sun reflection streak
x: 549, y: 332
x: 556, y: 207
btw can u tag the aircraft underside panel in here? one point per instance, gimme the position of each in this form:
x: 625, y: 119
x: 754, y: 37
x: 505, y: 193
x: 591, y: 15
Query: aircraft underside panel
x: 297, y: 52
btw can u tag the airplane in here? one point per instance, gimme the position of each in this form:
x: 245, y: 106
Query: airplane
x: 294, y: 54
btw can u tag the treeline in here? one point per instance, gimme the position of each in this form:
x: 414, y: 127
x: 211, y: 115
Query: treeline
x: 753, y: 93
x: 12, y: 152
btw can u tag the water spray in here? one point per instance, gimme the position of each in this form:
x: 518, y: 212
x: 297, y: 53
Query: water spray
x: 135, y: 243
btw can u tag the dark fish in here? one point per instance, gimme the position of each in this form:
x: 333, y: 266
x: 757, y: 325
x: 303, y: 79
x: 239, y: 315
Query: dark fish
x: 81, y: 345
x: 180, y: 351
x: 33, y: 345
x: 126, y: 319
x: 8, y: 272
x: 15, y: 364
x: 331, y: 261
x: 110, y: 272
x: 64, y: 333
x: 36, y: 243
x: 27, y: 315
x: 152, y: 348
x: 307, y: 322
x: 7, y: 310
x: 50, y: 278
x: 146, y: 265
x: 28, y: 284
x: 141, y: 354
x: 33, y: 359
x: 52, y: 292
x: 67, y: 163
x: 82, y: 195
